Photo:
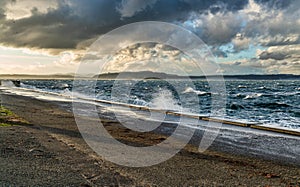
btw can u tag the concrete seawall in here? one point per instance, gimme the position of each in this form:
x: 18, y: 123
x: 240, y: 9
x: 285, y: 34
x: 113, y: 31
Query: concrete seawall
x: 207, y: 118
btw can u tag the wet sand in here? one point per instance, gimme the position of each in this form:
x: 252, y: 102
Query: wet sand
x: 49, y: 151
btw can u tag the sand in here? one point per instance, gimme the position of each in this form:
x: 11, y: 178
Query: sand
x: 49, y: 151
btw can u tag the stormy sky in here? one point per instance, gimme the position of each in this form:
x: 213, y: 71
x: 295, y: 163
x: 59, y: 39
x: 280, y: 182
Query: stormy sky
x: 48, y: 37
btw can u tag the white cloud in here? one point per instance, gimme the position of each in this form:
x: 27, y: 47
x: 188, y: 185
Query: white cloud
x: 240, y: 42
x: 215, y: 29
x: 252, y: 9
x: 151, y: 57
x: 23, y: 8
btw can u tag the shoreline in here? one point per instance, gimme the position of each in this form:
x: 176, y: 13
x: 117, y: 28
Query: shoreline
x: 224, y: 121
x: 220, y: 165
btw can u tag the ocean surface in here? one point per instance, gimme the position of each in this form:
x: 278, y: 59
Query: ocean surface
x: 266, y: 102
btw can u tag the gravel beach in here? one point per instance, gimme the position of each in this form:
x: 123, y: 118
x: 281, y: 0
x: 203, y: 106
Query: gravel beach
x: 48, y: 150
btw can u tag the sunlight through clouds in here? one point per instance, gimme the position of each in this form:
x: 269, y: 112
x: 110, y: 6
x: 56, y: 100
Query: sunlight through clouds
x: 233, y: 29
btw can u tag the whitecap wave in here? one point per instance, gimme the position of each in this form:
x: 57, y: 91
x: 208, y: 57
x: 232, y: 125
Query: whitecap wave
x: 191, y: 90
x: 8, y: 84
x: 242, y: 86
x: 253, y: 96
x: 139, y: 102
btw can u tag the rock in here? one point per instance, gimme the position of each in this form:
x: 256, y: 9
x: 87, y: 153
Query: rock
x: 269, y: 176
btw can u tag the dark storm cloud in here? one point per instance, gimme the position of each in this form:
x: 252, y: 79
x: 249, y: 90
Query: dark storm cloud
x: 171, y: 10
x: 74, y: 21
x: 63, y: 27
x: 288, y: 52
x: 276, y: 3
x: 276, y: 56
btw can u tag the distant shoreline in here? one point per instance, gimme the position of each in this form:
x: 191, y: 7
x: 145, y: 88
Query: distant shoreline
x: 149, y: 75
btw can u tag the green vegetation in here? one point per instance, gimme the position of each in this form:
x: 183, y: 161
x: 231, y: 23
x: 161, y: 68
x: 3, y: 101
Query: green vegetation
x: 8, y: 118
x: 5, y: 125
x: 5, y: 112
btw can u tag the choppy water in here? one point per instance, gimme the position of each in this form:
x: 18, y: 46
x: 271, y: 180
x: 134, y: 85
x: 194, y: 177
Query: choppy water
x: 275, y: 103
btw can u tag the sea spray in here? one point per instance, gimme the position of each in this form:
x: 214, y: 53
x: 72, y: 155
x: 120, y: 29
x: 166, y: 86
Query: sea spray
x: 8, y: 84
x: 165, y: 100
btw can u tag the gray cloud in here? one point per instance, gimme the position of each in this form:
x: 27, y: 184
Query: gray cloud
x: 75, y: 24
x: 276, y: 56
x: 275, y: 26
x: 74, y: 21
x: 278, y: 59
x: 276, y: 3
x: 220, y: 29
x: 265, y: 23
x: 128, y: 8
x: 280, y: 39
x: 237, y: 63
x: 64, y: 27
x: 289, y: 52
x: 240, y: 42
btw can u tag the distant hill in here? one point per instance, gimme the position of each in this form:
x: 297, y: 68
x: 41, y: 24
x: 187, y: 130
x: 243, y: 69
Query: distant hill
x: 138, y: 75
x: 260, y: 77
x: 251, y: 77
x: 155, y: 75
x: 151, y: 75
x: 24, y: 76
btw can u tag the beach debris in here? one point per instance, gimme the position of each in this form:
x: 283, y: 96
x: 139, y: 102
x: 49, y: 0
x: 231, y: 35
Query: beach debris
x: 271, y: 176
x: 36, y: 152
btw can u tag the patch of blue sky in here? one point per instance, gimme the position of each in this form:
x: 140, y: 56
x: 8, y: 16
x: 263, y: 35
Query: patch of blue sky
x: 232, y: 56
